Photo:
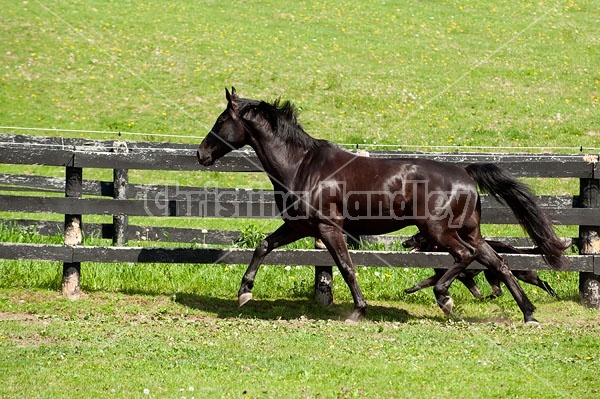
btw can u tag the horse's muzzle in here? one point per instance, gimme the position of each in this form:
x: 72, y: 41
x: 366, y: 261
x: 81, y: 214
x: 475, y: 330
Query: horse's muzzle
x: 205, y: 160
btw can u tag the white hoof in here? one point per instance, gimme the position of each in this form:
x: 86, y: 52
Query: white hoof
x: 244, y: 299
x: 447, y: 307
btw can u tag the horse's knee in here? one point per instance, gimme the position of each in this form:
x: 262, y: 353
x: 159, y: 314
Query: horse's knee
x: 504, y: 270
x: 262, y: 249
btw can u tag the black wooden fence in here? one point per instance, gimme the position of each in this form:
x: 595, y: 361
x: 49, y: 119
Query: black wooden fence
x: 32, y: 194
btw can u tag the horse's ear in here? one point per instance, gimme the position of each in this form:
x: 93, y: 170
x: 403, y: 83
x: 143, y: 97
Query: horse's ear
x: 232, y: 97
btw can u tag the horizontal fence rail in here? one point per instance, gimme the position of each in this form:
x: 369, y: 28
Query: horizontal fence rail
x: 150, y: 156
x: 207, y: 207
x: 191, y: 235
x: 223, y: 207
x: 307, y: 257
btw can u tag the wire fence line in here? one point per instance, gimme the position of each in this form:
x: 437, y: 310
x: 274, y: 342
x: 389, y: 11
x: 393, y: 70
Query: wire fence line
x: 120, y: 135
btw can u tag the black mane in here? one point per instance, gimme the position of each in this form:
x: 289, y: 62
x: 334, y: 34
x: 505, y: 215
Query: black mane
x: 282, y: 117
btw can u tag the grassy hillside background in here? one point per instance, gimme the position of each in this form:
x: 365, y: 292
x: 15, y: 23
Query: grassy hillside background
x: 491, y: 73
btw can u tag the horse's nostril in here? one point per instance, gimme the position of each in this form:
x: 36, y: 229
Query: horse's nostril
x: 201, y: 159
x: 204, y: 158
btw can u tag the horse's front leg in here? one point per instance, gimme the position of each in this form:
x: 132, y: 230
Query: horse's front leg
x: 333, y: 239
x: 282, y: 236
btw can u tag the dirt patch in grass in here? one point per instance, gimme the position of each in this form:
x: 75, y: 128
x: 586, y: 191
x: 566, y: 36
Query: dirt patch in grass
x: 22, y: 317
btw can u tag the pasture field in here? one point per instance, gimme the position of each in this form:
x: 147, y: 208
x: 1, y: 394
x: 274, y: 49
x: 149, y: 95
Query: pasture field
x: 154, y: 342
x: 167, y: 331
x: 426, y: 76
x: 490, y: 73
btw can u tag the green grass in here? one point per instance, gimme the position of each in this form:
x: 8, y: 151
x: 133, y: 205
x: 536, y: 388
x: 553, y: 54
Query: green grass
x: 176, y: 330
x: 199, y: 346
x: 413, y: 75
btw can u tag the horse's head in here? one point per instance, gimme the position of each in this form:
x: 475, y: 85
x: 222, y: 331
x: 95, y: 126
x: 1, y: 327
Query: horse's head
x: 228, y: 133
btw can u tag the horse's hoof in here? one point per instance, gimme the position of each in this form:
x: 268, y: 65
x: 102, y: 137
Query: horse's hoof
x: 356, y: 316
x: 244, y: 298
x: 412, y: 289
x: 447, y: 307
x: 532, y: 322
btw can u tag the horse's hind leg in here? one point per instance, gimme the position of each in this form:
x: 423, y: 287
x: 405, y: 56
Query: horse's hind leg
x: 531, y: 277
x: 492, y: 278
x: 466, y: 278
x: 428, y: 282
x: 333, y: 239
x: 440, y: 289
x: 463, y: 256
x: 489, y: 258
x: 546, y: 287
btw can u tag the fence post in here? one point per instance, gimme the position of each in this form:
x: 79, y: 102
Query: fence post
x: 120, y: 186
x: 324, y: 274
x: 589, y: 243
x: 323, y: 280
x: 73, y: 236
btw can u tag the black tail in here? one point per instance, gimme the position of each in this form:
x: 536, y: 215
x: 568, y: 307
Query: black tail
x: 509, y: 191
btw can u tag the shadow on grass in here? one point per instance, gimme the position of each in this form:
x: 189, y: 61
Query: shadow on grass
x: 289, y: 309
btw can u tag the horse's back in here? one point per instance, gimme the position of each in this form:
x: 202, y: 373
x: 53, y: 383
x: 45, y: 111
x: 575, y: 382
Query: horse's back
x: 383, y: 173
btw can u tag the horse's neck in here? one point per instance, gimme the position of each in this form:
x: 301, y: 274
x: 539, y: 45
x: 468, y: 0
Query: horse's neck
x: 280, y: 160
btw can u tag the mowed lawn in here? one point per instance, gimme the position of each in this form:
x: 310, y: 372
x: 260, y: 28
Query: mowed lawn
x: 484, y: 76
x: 193, y: 345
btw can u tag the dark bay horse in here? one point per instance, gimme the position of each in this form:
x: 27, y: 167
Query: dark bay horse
x: 324, y: 191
